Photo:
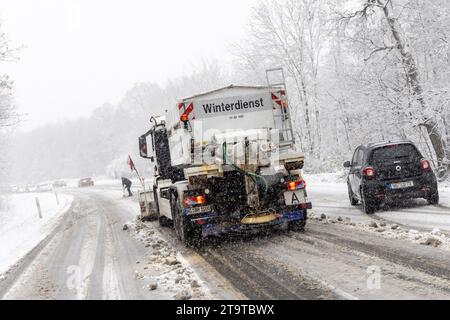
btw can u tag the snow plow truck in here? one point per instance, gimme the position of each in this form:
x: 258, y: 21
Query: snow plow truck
x: 225, y: 161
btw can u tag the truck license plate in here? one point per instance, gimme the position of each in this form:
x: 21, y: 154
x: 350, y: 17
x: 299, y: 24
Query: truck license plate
x: 199, y: 210
x: 401, y: 185
x: 294, y: 197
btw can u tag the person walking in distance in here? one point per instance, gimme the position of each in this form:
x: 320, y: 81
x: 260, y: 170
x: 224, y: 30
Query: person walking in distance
x: 126, y: 183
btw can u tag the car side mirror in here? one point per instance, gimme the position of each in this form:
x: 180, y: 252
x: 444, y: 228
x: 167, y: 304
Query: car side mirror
x: 347, y: 164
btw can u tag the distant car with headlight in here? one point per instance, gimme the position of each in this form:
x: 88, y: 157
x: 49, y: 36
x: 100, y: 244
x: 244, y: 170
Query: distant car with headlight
x: 389, y: 170
x: 85, y: 182
x: 44, y: 186
x: 59, y: 184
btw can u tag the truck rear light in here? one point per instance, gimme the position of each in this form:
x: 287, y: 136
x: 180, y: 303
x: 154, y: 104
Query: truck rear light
x: 191, y: 201
x: 295, y: 185
x: 425, y: 164
x: 200, y: 222
x: 369, y: 172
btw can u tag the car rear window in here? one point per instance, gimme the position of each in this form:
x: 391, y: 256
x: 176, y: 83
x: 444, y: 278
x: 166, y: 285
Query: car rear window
x: 392, y: 153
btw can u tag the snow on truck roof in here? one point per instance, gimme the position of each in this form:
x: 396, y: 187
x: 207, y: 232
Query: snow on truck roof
x: 227, y: 88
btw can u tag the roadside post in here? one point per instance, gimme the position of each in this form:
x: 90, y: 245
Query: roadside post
x: 56, y: 196
x: 38, y: 205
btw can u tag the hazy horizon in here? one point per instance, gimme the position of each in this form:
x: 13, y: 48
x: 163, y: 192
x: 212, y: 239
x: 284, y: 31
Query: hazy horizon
x: 76, y: 56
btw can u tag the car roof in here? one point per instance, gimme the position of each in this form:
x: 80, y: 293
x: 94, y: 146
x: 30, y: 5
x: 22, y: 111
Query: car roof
x: 376, y: 145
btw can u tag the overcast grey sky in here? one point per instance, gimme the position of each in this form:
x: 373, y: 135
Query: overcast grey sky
x: 79, y: 54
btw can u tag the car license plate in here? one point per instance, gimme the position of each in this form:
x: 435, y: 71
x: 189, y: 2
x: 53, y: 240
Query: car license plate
x: 199, y: 210
x: 401, y: 185
x: 294, y: 197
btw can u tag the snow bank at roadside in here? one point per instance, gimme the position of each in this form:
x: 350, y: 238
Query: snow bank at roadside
x: 444, y: 193
x: 21, y: 229
x: 330, y: 177
x: 435, y: 238
x: 165, y: 269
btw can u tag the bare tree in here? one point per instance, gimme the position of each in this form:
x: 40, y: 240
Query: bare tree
x: 7, y: 109
x: 395, y: 40
x: 291, y: 33
x: 8, y: 115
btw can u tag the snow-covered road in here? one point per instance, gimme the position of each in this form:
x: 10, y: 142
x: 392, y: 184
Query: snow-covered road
x: 90, y: 256
x: 334, y: 260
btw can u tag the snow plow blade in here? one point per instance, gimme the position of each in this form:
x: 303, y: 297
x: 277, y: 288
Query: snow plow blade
x: 258, y: 218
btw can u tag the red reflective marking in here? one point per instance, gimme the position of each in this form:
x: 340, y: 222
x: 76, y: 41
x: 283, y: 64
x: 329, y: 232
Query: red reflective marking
x: 276, y: 99
x: 189, y: 109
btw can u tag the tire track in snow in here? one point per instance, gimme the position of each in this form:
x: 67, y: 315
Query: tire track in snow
x: 14, y: 273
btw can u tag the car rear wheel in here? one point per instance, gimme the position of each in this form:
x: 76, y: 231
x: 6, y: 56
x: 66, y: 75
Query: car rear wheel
x: 351, y: 196
x: 369, y: 205
x: 433, y: 199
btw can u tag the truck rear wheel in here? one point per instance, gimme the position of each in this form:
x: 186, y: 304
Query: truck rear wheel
x: 163, y: 221
x: 298, y: 225
x: 187, y: 233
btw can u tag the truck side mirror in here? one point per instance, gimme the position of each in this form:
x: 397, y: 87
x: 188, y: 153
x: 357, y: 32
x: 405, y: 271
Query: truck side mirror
x: 143, y: 151
x: 347, y: 164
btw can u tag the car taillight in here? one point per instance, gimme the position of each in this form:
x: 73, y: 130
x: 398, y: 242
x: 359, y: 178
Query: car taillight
x: 295, y: 185
x: 194, y: 200
x: 369, y: 172
x: 425, y: 164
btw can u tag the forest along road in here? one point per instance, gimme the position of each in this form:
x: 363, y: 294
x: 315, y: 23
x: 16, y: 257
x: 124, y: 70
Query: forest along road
x: 89, y: 256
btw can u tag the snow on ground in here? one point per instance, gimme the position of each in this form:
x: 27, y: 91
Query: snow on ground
x: 163, y: 268
x: 328, y: 194
x: 175, y: 274
x: 21, y: 229
x: 104, y: 181
x: 384, y: 229
x: 329, y: 177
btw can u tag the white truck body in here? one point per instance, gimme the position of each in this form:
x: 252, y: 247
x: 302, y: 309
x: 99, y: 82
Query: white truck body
x: 230, y: 108
x: 227, y: 157
x: 228, y: 114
